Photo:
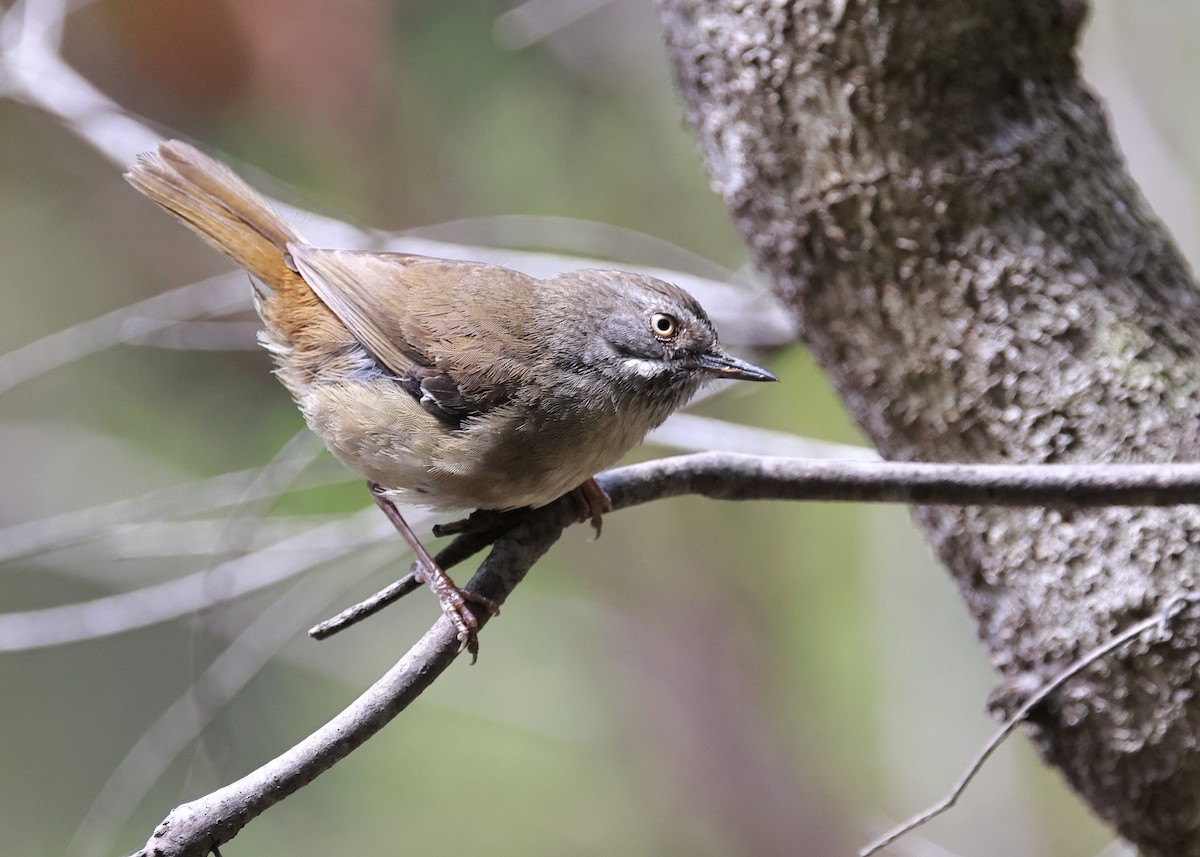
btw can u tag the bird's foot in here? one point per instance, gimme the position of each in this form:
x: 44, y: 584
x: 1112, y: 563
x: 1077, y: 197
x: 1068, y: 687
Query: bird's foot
x: 452, y: 599
x: 592, y: 501
x: 454, y: 603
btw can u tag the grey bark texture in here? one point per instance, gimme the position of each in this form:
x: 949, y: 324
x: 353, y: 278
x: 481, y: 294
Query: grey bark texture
x: 936, y: 193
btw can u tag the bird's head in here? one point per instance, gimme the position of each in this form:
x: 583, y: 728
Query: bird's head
x: 650, y: 337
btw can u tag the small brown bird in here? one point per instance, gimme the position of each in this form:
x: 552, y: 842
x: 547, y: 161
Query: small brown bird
x: 453, y: 385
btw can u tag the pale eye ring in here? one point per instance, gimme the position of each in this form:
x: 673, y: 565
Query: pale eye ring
x: 663, y: 326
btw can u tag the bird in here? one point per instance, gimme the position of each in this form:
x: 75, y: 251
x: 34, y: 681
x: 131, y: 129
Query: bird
x: 452, y: 384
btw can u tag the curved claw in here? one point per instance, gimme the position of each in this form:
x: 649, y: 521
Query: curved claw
x: 454, y: 605
x: 592, y: 502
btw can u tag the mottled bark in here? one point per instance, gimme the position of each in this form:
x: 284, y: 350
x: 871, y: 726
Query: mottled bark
x: 936, y: 193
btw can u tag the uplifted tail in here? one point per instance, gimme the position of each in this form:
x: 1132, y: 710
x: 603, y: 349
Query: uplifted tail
x: 224, y: 210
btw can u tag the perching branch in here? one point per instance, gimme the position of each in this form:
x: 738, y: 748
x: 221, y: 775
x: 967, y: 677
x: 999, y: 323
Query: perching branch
x: 199, y: 826
x: 731, y: 476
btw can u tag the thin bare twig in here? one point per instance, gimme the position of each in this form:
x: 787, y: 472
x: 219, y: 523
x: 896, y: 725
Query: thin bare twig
x: 1160, y: 619
x: 160, y: 602
x: 685, y: 432
x: 458, y: 550
x: 135, y: 322
x: 534, y: 20
x: 66, y: 529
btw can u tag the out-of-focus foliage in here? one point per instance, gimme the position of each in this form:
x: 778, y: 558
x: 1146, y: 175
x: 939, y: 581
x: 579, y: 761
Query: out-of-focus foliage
x: 705, y: 679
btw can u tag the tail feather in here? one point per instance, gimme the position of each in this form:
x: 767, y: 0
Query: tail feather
x: 226, y: 212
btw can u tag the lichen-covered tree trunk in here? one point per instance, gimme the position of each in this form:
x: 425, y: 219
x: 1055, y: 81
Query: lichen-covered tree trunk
x: 935, y: 192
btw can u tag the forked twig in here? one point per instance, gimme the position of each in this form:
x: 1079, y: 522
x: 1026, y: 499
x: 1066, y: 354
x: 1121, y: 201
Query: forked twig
x: 462, y: 548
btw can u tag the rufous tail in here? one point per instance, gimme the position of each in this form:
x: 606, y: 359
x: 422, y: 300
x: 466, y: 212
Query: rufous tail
x: 220, y: 207
x: 231, y: 216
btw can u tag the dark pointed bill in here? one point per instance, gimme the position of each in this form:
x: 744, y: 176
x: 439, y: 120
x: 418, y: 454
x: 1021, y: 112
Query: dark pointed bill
x: 724, y: 366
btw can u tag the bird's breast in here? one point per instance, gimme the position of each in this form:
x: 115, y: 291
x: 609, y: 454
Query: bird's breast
x: 514, y: 455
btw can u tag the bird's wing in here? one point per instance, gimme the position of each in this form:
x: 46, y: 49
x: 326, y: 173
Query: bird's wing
x: 435, y: 324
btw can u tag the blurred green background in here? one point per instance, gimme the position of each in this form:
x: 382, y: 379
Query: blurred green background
x: 706, y: 679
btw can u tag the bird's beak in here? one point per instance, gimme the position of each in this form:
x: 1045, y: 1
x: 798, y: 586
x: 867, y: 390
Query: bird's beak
x: 724, y: 366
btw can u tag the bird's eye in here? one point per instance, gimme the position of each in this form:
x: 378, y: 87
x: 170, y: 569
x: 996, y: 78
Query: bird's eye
x: 663, y: 325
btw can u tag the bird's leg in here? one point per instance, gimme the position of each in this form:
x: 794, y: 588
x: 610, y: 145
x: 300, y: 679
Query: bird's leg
x: 452, y: 599
x: 592, y: 501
